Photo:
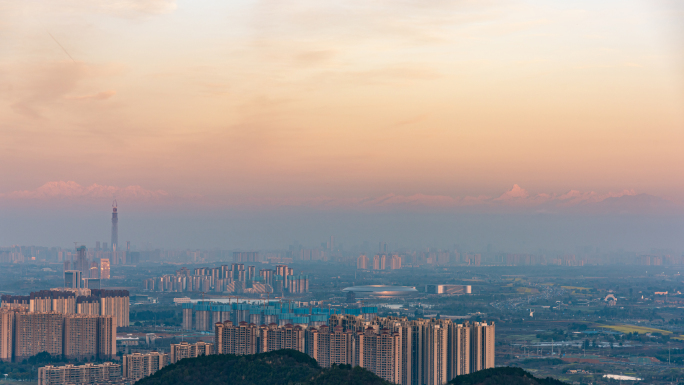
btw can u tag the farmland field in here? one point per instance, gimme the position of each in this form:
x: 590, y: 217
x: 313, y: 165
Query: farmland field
x: 632, y: 329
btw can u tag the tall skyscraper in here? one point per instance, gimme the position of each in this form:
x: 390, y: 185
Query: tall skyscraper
x: 104, y: 268
x: 82, y: 263
x: 115, y: 226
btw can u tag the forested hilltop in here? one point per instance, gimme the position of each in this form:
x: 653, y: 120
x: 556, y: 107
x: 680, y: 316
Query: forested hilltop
x: 505, y: 375
x: 277, y: 367
x: 293, y: 367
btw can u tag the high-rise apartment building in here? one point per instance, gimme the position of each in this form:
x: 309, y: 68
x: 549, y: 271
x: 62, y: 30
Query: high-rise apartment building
x: 362, y: 262
x: 137, y: 365
x: 76, y: 336
x: 106, y: 336
x: 396, y: 262
x: 380, y: 352
x: 6, y: 333
x: 435, y: 344
x: 297, y: 284
x: 89, y: 337
x: 36, y: 333
x: 267, y: 276
x: 272, y: 337
x: 232, y: 339
x: 459, y: 350
x: 380, y: 262
x: 115, y: 303
x: 481, y: 346
x: 431, y: 351
x: 283, y: 271
x: 80, y: 337
x: 415, y: 352
x: 330, y: 345
x: 187, y: 350
x: 245, y: 256
x: 81, y: 323
x: 51, y: 300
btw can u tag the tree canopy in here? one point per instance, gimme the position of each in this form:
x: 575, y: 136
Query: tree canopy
x: 286, y: 367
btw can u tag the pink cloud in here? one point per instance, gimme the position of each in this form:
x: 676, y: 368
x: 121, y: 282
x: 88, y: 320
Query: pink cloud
x: 104, y: 95
x: 516, y: 192
x: 515, y: 198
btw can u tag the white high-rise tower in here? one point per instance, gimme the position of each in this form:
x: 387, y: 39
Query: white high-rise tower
x: 115, y: 227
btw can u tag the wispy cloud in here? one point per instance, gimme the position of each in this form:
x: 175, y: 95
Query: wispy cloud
x: 104, y: 95
x: 517, y: 198
x: 73, y: 190
x: 127, y: 8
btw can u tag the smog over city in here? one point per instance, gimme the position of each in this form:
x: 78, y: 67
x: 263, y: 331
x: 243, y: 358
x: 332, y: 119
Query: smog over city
x: 407, y: 192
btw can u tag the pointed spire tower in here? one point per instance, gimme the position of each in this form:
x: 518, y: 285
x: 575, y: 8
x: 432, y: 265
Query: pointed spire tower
x: 115, y: 226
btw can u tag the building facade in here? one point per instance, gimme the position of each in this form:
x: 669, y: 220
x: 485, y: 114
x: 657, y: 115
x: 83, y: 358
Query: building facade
x: 362, y: 262
x: 6, y: 333
x: 76, y: 336
x: 402, y: 351
x: 187, y: 350
x: 137, y: 365
x: 79, y: 374
x: 36, y: 333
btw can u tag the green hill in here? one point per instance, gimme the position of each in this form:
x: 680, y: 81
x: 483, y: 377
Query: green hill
x: 506, y: 375
x: 278, y: 367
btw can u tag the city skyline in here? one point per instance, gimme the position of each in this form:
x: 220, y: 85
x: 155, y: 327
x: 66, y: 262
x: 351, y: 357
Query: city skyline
x: 359, y: 191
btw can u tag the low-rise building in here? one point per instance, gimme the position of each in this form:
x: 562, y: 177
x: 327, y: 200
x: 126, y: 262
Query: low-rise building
x: 80, y: 374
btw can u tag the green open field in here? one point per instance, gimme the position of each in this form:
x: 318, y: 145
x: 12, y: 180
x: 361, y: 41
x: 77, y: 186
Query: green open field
x: 575, y: 288
x: 632, y: 329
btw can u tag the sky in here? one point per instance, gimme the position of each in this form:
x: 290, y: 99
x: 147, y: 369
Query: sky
x: 338, y: 112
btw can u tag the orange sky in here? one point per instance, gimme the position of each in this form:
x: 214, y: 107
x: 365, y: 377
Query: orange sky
x: 293, y: 100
